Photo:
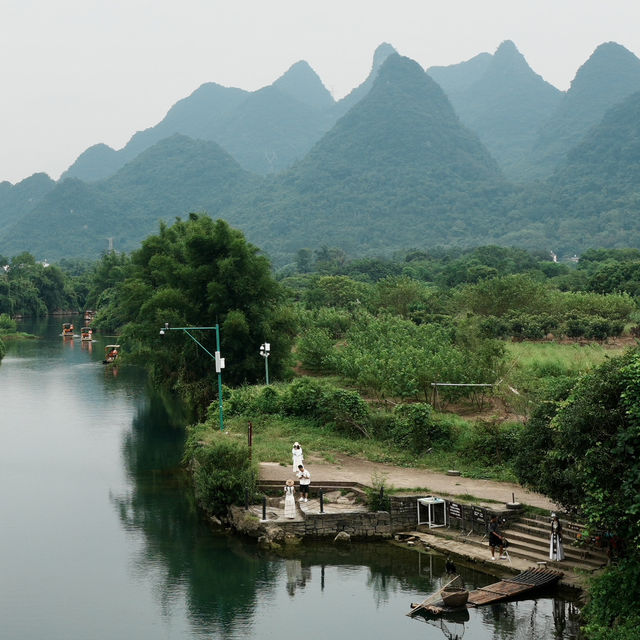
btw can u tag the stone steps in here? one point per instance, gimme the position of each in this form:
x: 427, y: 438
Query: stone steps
x: 537, y: 551
x: 529, y: 537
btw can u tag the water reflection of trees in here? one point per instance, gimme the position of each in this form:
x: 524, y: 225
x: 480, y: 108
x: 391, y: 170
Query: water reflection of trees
x: 223, y: 580
x: 545, y: 617
x: 217, y: 575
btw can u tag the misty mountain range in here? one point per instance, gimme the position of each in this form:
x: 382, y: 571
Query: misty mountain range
x: 480, y: 152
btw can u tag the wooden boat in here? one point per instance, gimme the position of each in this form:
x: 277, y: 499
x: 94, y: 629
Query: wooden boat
x: 450, y: 590
x: 454, y: 597
x: 67, y: 330
x: 111, y: 353
x: 454, y: 594
x: 86, y: 333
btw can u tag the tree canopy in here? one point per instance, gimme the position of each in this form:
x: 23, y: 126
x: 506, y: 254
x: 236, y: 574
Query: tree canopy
x: 201, y: 273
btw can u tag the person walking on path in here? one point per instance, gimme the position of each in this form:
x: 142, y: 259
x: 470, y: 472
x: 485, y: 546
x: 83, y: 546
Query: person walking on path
x: 495, y: 539
x: 305, y: 480
x: 556, y: 550
x: 289, y: 500
x: 298, y: 458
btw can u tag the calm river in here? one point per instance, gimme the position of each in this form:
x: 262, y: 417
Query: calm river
x: 99, y: 539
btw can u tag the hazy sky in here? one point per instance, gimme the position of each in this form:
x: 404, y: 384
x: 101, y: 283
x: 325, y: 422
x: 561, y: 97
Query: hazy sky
x: 78, y: 72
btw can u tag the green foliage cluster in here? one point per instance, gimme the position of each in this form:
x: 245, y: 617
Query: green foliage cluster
x: 342, y: 409
x: 30, y: 288
x: 413, y: 426
x: 7, y: 324
x: 582, y: 450
x: 222, y: 470
x: 394, y: 357
x: 196, y: 273
x: 612, y: 612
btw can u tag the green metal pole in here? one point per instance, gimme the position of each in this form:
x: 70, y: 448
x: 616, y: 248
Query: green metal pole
x: 219, y: 379
x: 218, y: 368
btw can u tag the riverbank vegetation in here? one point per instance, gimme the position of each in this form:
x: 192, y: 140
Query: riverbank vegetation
x: 498, y: 362
x: 36, y: 289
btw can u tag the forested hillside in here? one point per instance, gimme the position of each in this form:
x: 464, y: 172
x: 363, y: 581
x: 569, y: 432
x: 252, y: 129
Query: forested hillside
x: 397, y: 170
x: 611, y: 74
x: 503, y: 100
x: 172, y: 178
x: 390, y: 166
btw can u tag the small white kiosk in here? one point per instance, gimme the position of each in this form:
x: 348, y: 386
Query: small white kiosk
x: 432, y: 503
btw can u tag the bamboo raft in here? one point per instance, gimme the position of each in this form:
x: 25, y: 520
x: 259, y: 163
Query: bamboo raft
x: 516, y: 587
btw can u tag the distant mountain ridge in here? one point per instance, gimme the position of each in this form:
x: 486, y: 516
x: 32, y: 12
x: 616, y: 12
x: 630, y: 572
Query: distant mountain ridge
x: 401, y: 149
x: 390, y: 166
x: 611, y: 74
x: 503, y: 100
x: 176, y: 176
x: 265, y: 130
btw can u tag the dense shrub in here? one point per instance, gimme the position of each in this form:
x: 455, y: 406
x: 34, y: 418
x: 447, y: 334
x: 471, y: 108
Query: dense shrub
x: 612, y: 613
x: 414, y: 427
x: 527, y: 326
x: 346, y: 410
x: 302, y: 397
x: 334, y: 321
x: 222, y: 472
x: 536, y: 436
x: 492, y: 442
x: 592, y: 327
x: 2, y: 349
x: 494, y: 327
x: 314, y: 348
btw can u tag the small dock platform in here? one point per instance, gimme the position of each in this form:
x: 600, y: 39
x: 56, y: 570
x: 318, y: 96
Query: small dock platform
x: 523, y: 583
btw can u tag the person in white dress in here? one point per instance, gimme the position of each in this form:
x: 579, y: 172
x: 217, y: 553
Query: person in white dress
x: 289, y: 500
x: 296, y: 452
x: 556, y: 551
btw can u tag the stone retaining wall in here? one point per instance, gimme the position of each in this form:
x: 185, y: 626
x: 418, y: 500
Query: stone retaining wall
x: 328, y: 525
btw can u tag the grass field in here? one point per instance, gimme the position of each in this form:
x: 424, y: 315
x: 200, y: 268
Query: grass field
x: 544, y: 358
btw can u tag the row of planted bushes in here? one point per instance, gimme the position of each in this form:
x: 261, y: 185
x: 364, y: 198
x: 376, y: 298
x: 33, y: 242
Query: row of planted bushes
x: 531, y: 326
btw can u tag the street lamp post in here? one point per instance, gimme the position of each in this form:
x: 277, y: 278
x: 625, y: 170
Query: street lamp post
x: 216, y: 357
x: 265, y: 349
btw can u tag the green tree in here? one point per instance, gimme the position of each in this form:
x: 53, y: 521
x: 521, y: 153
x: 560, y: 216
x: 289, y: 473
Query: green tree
x: 200, y: 273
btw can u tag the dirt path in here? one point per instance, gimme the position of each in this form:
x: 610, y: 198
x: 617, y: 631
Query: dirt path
x: 357, y: 470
